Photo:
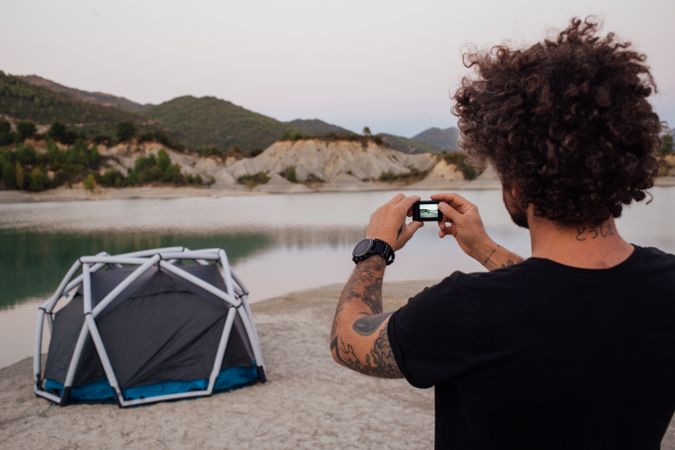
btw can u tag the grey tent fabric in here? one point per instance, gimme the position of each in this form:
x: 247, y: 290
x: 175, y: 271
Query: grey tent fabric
x: 153, y: 325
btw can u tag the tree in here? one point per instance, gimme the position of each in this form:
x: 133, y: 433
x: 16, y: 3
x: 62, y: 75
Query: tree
x: 94, y: 157
x: 26, y: 130
x: 89, y: 183
x: 666, y: 145
x: 26, y: 155
x: 163, y: 160
x: 38, y: 180
x: 366, y: 131
x: 20, y: 176
x: 6, y: 135
x: 125, y: 131
x: 60, y: 133
x: 8, y: 175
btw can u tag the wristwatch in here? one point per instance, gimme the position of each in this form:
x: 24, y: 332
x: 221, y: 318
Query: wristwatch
x: 366, y: 248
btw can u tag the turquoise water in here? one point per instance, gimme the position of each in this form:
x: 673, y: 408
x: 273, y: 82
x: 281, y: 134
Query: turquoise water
x: 275, y: 243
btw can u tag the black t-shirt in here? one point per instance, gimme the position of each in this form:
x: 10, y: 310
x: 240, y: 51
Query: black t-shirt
x: 541, y: 355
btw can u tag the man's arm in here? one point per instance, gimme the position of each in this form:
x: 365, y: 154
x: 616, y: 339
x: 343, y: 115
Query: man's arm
x: 359, y: 337
x: 493, y: 256
x: 462, y: 221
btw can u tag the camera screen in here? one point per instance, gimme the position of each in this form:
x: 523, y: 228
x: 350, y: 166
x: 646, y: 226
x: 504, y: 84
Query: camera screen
x: 429, y: 211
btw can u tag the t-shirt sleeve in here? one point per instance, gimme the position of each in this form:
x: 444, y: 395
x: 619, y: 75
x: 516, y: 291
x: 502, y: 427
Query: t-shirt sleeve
x: 428, y: 335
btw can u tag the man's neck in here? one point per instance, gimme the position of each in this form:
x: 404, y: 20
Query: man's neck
x: 589, y: 247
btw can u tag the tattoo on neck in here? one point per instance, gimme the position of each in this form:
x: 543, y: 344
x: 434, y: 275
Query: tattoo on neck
x: 603, y: 230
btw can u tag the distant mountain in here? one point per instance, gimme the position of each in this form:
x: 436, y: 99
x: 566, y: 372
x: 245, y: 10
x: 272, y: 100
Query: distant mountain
x: 445, y: 139
x: 316, y: 127
x: 24, y: 101
x: 407, y: 145
x: 98, y: 98
x: 209, y: 122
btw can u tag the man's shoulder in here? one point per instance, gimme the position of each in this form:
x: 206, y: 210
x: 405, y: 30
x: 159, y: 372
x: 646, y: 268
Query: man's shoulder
x: 459, y: 284
x: 498, y: 277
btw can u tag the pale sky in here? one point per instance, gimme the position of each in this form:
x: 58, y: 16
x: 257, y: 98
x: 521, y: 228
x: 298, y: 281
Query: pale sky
x: 388, y: 64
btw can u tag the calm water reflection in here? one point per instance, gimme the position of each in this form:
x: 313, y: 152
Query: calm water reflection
x: 276, y: 244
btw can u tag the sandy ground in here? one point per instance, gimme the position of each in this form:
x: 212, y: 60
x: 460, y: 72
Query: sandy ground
x: 308, y: 403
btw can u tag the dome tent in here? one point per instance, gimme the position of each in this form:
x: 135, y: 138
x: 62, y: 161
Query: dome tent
x: 153, y: 325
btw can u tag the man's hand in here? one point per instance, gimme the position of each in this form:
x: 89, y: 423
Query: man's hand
x: 388, y: 222
x: 462, y: 221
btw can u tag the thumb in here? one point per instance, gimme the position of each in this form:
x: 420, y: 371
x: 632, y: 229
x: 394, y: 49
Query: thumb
x: 449, y: 212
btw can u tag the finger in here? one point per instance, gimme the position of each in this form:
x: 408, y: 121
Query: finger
x: 452, y: 230
x: 407, y: 202
x: 409, y: 230
x: 449, y: 212
x: 395, y: 199
x: 456, y: 200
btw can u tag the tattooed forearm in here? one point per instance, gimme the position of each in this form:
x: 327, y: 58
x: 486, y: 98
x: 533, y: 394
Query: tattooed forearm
x: 359, y: 334
x: 365, y: 286
x: 377, y: 362
x: 603, y: 230
x: 367, y: 325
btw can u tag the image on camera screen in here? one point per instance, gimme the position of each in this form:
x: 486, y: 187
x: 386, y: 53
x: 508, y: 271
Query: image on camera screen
x: 429, y: 211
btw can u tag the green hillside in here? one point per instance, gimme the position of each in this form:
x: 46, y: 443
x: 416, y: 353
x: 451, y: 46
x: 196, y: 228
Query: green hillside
x: 98, y: 98
x: 24, y: 101
x: 407, y: 145
x: 209, y: 122
x: 316, y: 127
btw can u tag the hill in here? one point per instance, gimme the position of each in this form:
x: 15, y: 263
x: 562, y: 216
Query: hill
x: 209, y: 122
x: 407, y: 145
x: 97, y: 98
x: 445, y: 139
x: 316, y: 127
x: 335, y: 162
x: 24, y: 101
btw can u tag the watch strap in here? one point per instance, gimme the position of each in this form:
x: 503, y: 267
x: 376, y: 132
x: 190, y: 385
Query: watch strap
x: 380, y: 248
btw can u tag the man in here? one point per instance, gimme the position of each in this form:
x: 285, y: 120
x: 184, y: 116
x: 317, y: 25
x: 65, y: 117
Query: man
x: 574, y: 347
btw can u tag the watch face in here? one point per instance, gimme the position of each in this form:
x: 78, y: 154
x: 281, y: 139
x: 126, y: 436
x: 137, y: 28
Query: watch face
x: 362, y: 247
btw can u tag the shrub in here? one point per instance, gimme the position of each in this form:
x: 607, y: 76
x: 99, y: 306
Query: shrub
x: 26, y: 130
x: 8, y: 175
x: 406, y: 178
x: 26, y: 155
x: 38, y: 180
x: 172, y: 174
x: 251, y: 181
x: 89, y: 183
x: 289, y: 174
x: 6, y: 135
x: 163, y: 160
x: 111, y: 178
x: 20, y: 175
x: 125, y: 131
x: 460, y: 160
x: 60, y: 133
x: 292, y: 135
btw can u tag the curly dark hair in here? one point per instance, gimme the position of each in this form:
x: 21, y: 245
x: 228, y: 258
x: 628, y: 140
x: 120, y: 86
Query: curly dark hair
x: 566, y: 122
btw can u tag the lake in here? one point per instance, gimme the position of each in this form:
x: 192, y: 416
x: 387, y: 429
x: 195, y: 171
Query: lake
x: 276, y: 243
